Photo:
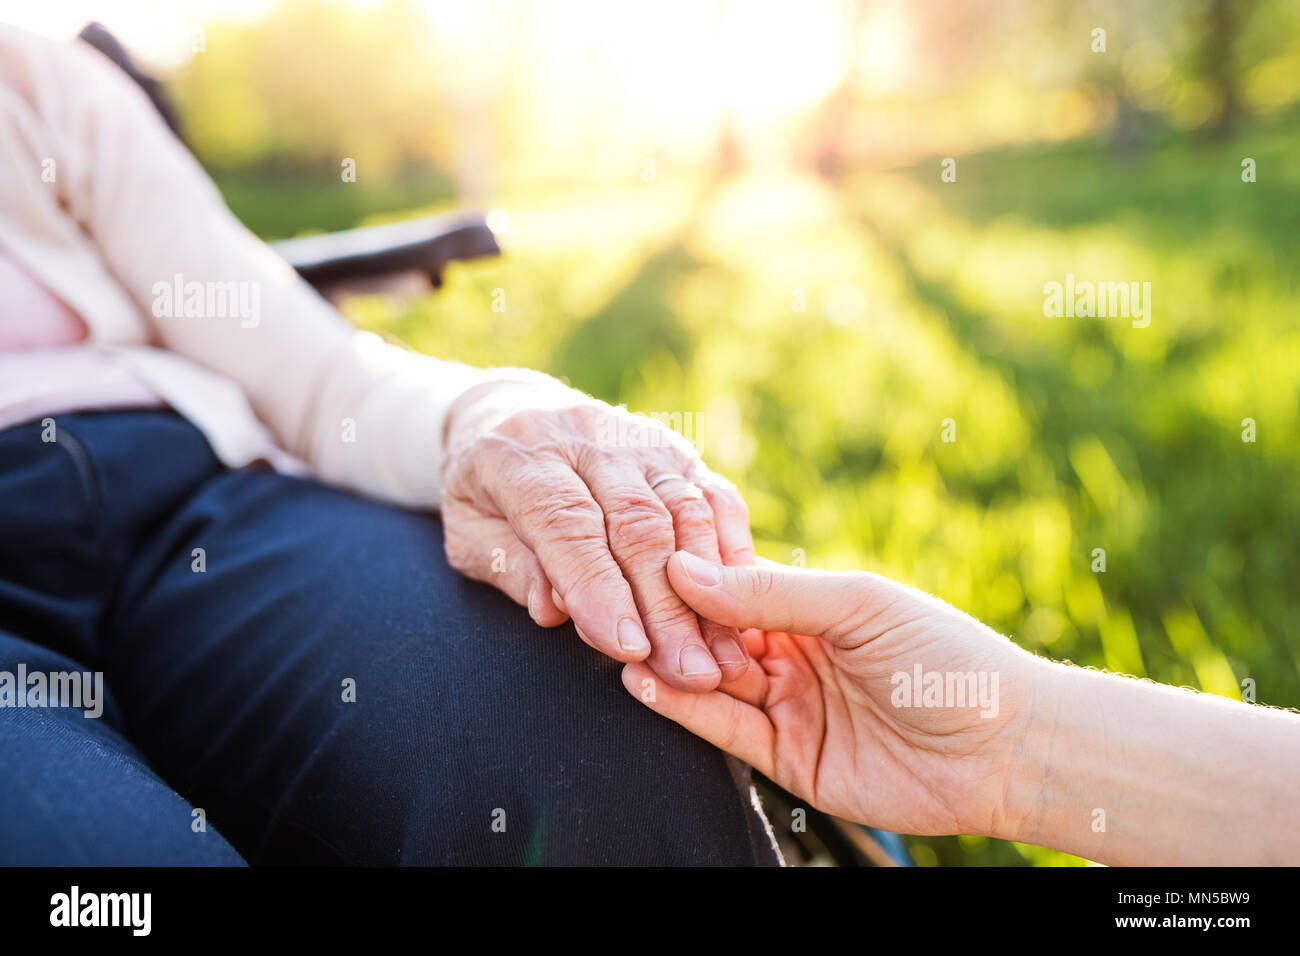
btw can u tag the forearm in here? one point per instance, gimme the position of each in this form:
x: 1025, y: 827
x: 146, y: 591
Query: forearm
x: 1128, y: 772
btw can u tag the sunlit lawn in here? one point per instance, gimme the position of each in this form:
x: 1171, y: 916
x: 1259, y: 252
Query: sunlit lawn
x: 921, y: 302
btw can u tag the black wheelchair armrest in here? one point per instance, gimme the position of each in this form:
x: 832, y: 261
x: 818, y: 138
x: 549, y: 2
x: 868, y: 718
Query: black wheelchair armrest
x: 423, y: 245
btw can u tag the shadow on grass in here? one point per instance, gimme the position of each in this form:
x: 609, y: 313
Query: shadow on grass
x: 636, y: 322
x: 1169, y: 192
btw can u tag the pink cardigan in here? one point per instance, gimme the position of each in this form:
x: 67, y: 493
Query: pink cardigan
x: 106, y: 210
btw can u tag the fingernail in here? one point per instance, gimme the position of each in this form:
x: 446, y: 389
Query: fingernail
x: 631, y: 637
x: 727, y: 651
x: 704, y: 573
x: 697, y: 662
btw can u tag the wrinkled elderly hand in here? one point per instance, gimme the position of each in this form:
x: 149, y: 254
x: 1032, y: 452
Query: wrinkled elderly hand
x: 572, y: 507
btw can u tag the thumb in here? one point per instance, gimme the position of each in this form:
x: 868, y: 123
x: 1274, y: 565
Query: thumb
x: 773, y: 597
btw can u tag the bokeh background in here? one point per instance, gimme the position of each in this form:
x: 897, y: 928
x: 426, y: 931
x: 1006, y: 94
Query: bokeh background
x: 733, y: 211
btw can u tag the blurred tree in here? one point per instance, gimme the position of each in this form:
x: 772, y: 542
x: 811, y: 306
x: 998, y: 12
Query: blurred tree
x: 1215, y: 55
x: 314, y: 83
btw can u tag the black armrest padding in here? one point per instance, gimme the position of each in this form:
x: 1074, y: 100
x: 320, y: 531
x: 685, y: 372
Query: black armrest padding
x: 425, y: 245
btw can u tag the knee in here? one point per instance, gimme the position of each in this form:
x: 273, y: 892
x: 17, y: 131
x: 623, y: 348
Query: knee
x: 75, y: 792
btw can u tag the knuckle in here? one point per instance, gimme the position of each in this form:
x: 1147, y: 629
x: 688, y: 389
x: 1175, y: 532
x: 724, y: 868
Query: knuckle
x: 735, y: 506
x: 641, y: 527
x: 859, y: 600
x: 692, y: 515
x: 592, y: 569
x: 712, y: 630
x: 494, y: 460
x: 523, y: 424
x: 760, y: 582
x: 567, y: 515
x: 591, y: 457
x: 667, y: 611
x: 588, y: 416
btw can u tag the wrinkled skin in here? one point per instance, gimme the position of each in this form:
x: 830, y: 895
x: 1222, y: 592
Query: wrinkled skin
x: 572, y: 507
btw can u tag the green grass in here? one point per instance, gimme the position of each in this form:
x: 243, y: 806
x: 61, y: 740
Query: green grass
x: 924, y: 303
x: 281, y: 205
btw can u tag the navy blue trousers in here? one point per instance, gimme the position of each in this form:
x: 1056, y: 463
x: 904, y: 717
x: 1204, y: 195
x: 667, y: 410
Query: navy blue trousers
x: 315, y: 685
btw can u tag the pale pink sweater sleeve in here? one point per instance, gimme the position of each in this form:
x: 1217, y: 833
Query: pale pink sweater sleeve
x: 362, y: 413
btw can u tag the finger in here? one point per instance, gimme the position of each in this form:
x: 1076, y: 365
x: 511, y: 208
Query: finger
x: 731, y: 516
x: 693, y: 524
x: 641, y: 538
x: 829, y: 604
x: 554, y: 514
x: 751, y: 686
x: 740, y: 729
x: 485, y: 548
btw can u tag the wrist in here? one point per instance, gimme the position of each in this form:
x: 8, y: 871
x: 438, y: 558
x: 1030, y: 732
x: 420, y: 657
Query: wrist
x: 1031, y: 744
x: 482, y: 406
x: 1076, y: 767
